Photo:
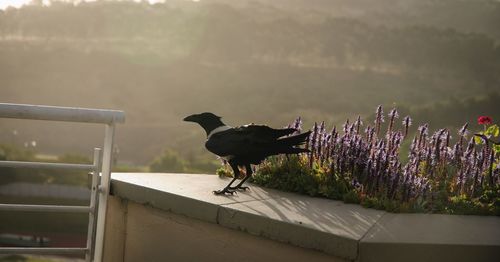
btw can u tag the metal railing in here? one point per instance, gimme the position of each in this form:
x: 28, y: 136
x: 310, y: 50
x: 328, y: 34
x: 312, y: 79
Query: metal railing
x: 100, y: 170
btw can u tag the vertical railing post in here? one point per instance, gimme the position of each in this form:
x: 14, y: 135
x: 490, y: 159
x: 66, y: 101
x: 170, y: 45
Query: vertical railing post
x: 93, y: 210
x: 104, y: 190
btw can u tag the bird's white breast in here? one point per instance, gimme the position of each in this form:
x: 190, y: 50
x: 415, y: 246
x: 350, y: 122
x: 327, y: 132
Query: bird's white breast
x: 218, y: 130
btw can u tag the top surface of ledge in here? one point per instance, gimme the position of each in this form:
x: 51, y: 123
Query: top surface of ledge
x: 302, y: 220
x: 349, y: 221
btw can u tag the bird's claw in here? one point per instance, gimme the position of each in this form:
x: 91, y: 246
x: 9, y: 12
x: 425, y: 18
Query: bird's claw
x: 224, y: 191
x: 244, y: 188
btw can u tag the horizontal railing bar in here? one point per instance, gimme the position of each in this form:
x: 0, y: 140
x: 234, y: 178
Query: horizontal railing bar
x: 58, y: 113
x: 43, y: 250
x: 44, y: 208
x: 46, y: 165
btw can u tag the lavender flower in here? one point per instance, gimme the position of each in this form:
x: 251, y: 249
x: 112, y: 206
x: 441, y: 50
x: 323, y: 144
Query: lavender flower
x: 297, y: 125
x: 313, y: 144
x: 413, y: 147
x: 372, y: 166
x: 406, y: 124
x: 463, y: 130
x: 394, y: 113
x: 345, y: 126
x: 321, y: 140
x: 379, y: 118
x: 422, y: 135
x: 358, y: 124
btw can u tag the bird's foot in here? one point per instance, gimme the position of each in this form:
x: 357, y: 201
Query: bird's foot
x: 245, y: 188
x: 224, y: 191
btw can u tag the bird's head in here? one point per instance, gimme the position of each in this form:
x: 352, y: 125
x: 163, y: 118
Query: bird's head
x: 208, y: 121
x: 202, y: 118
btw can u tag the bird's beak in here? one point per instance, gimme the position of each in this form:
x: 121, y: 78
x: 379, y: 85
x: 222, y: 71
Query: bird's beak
x: 191, y: 118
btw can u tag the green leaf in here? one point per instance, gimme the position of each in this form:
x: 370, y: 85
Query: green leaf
x: 478, y: 140
x: 496, y: 148
x: 497, y: 130
x: 493, y: 131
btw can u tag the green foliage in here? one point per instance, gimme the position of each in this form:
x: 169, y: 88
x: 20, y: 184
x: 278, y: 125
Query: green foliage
x: 224, y: 172
x: 462, y: 205
x: 386, y: 204
x: 351, y: 197
x: 294, y: 174
x: 491, y: 132
x: 289, y: 175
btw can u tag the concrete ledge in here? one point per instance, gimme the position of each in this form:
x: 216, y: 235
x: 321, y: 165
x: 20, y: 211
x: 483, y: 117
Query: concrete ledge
x: 321, y: 224
x: 430, y: 237
x: 152, y: 234
x: 178, y: 204
x: 347, y: 231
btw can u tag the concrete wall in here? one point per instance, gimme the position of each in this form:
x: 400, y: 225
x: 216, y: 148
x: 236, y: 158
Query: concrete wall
x: 135, y: 232
x: 176, y: 217
x: 115, y: 234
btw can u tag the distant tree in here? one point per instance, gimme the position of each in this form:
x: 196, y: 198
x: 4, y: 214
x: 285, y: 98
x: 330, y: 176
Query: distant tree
x: 169, y: 161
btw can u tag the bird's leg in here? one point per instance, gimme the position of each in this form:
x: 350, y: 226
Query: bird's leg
x: 228, y: 188
x: 247, y: 176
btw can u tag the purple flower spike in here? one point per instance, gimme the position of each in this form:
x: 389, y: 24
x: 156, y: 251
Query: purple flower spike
x: 345, y: 126
x: 406, y: 124
x: 422, y: 135
x: 463, y: 131
x: 298, y: 124
x: 371, y: 165
x: 394, y: 113
x: 379, y: 118
x: 358, y: 124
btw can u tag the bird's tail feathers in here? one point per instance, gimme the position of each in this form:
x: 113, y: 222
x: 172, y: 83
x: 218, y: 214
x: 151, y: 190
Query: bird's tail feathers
x: 296, y: 140
x: 284, y: 132
x: 288, y: 145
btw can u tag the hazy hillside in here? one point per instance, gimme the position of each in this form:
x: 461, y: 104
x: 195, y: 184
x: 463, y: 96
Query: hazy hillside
x: 249, y: 61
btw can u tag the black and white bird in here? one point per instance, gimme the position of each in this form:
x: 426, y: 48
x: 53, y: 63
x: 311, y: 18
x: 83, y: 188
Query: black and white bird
x: 246, y: 145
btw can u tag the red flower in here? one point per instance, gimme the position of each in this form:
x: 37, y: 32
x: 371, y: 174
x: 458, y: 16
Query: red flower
x: 484, y: 120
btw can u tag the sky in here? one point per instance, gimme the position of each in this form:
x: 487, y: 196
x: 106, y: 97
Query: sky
x: 18, y: 3
x: 14, y: 3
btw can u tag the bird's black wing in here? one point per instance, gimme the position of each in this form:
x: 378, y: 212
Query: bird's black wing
x: 244, y: 140
x: 264, y: 132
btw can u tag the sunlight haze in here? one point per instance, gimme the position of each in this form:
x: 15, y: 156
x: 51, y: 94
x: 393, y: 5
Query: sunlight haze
x: 18, y: 3
x: 249, y: 61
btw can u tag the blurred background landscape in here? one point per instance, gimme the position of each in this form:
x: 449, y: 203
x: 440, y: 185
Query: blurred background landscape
x: 250, y: 61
